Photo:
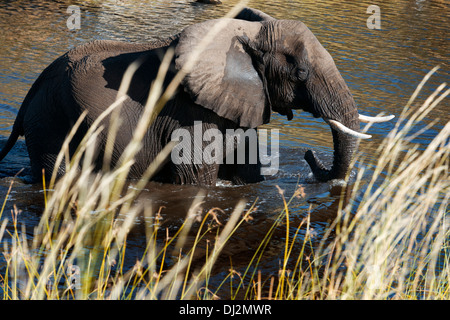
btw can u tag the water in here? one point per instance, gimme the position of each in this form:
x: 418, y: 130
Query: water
x: 381, y: 67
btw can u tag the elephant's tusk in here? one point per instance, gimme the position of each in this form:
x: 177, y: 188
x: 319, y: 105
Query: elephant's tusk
x: 340, y: 127
x: 363, y: 118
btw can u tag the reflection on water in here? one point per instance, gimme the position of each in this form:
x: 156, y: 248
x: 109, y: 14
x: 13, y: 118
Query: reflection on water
x: 381, y: 67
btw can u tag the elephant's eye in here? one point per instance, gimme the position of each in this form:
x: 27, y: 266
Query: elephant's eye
x: 301, y: 74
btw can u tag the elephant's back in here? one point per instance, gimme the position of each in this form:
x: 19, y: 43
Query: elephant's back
x: 109, y: 48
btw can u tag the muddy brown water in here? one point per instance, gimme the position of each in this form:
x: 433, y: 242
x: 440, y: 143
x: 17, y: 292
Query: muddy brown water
x: 381, y: 67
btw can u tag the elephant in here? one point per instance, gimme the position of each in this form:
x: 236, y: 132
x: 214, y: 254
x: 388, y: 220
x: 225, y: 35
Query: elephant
x: 256, y: 65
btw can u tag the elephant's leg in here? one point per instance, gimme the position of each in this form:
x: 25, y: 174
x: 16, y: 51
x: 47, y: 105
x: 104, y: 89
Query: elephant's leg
x: 187, y: 173
x: 241, y: 173
x: 43, y: 146
x: 200, y: 174
x: 45, y: 130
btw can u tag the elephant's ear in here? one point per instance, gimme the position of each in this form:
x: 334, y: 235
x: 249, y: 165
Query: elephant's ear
x: 224, y: 79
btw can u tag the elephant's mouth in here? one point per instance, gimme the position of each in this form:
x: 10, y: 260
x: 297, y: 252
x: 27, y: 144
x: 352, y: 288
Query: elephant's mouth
x: 345, y: 142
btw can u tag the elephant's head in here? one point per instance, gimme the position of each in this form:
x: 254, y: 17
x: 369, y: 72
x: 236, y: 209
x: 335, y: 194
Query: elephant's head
x: 254, y: 68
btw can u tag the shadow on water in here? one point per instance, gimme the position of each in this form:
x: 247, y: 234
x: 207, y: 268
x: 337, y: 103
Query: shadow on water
x: 381, y: 67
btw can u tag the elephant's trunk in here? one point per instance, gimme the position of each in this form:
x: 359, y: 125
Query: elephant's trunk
x: 345, y: 142
x: 344, y: 148
x: 335, y: 104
